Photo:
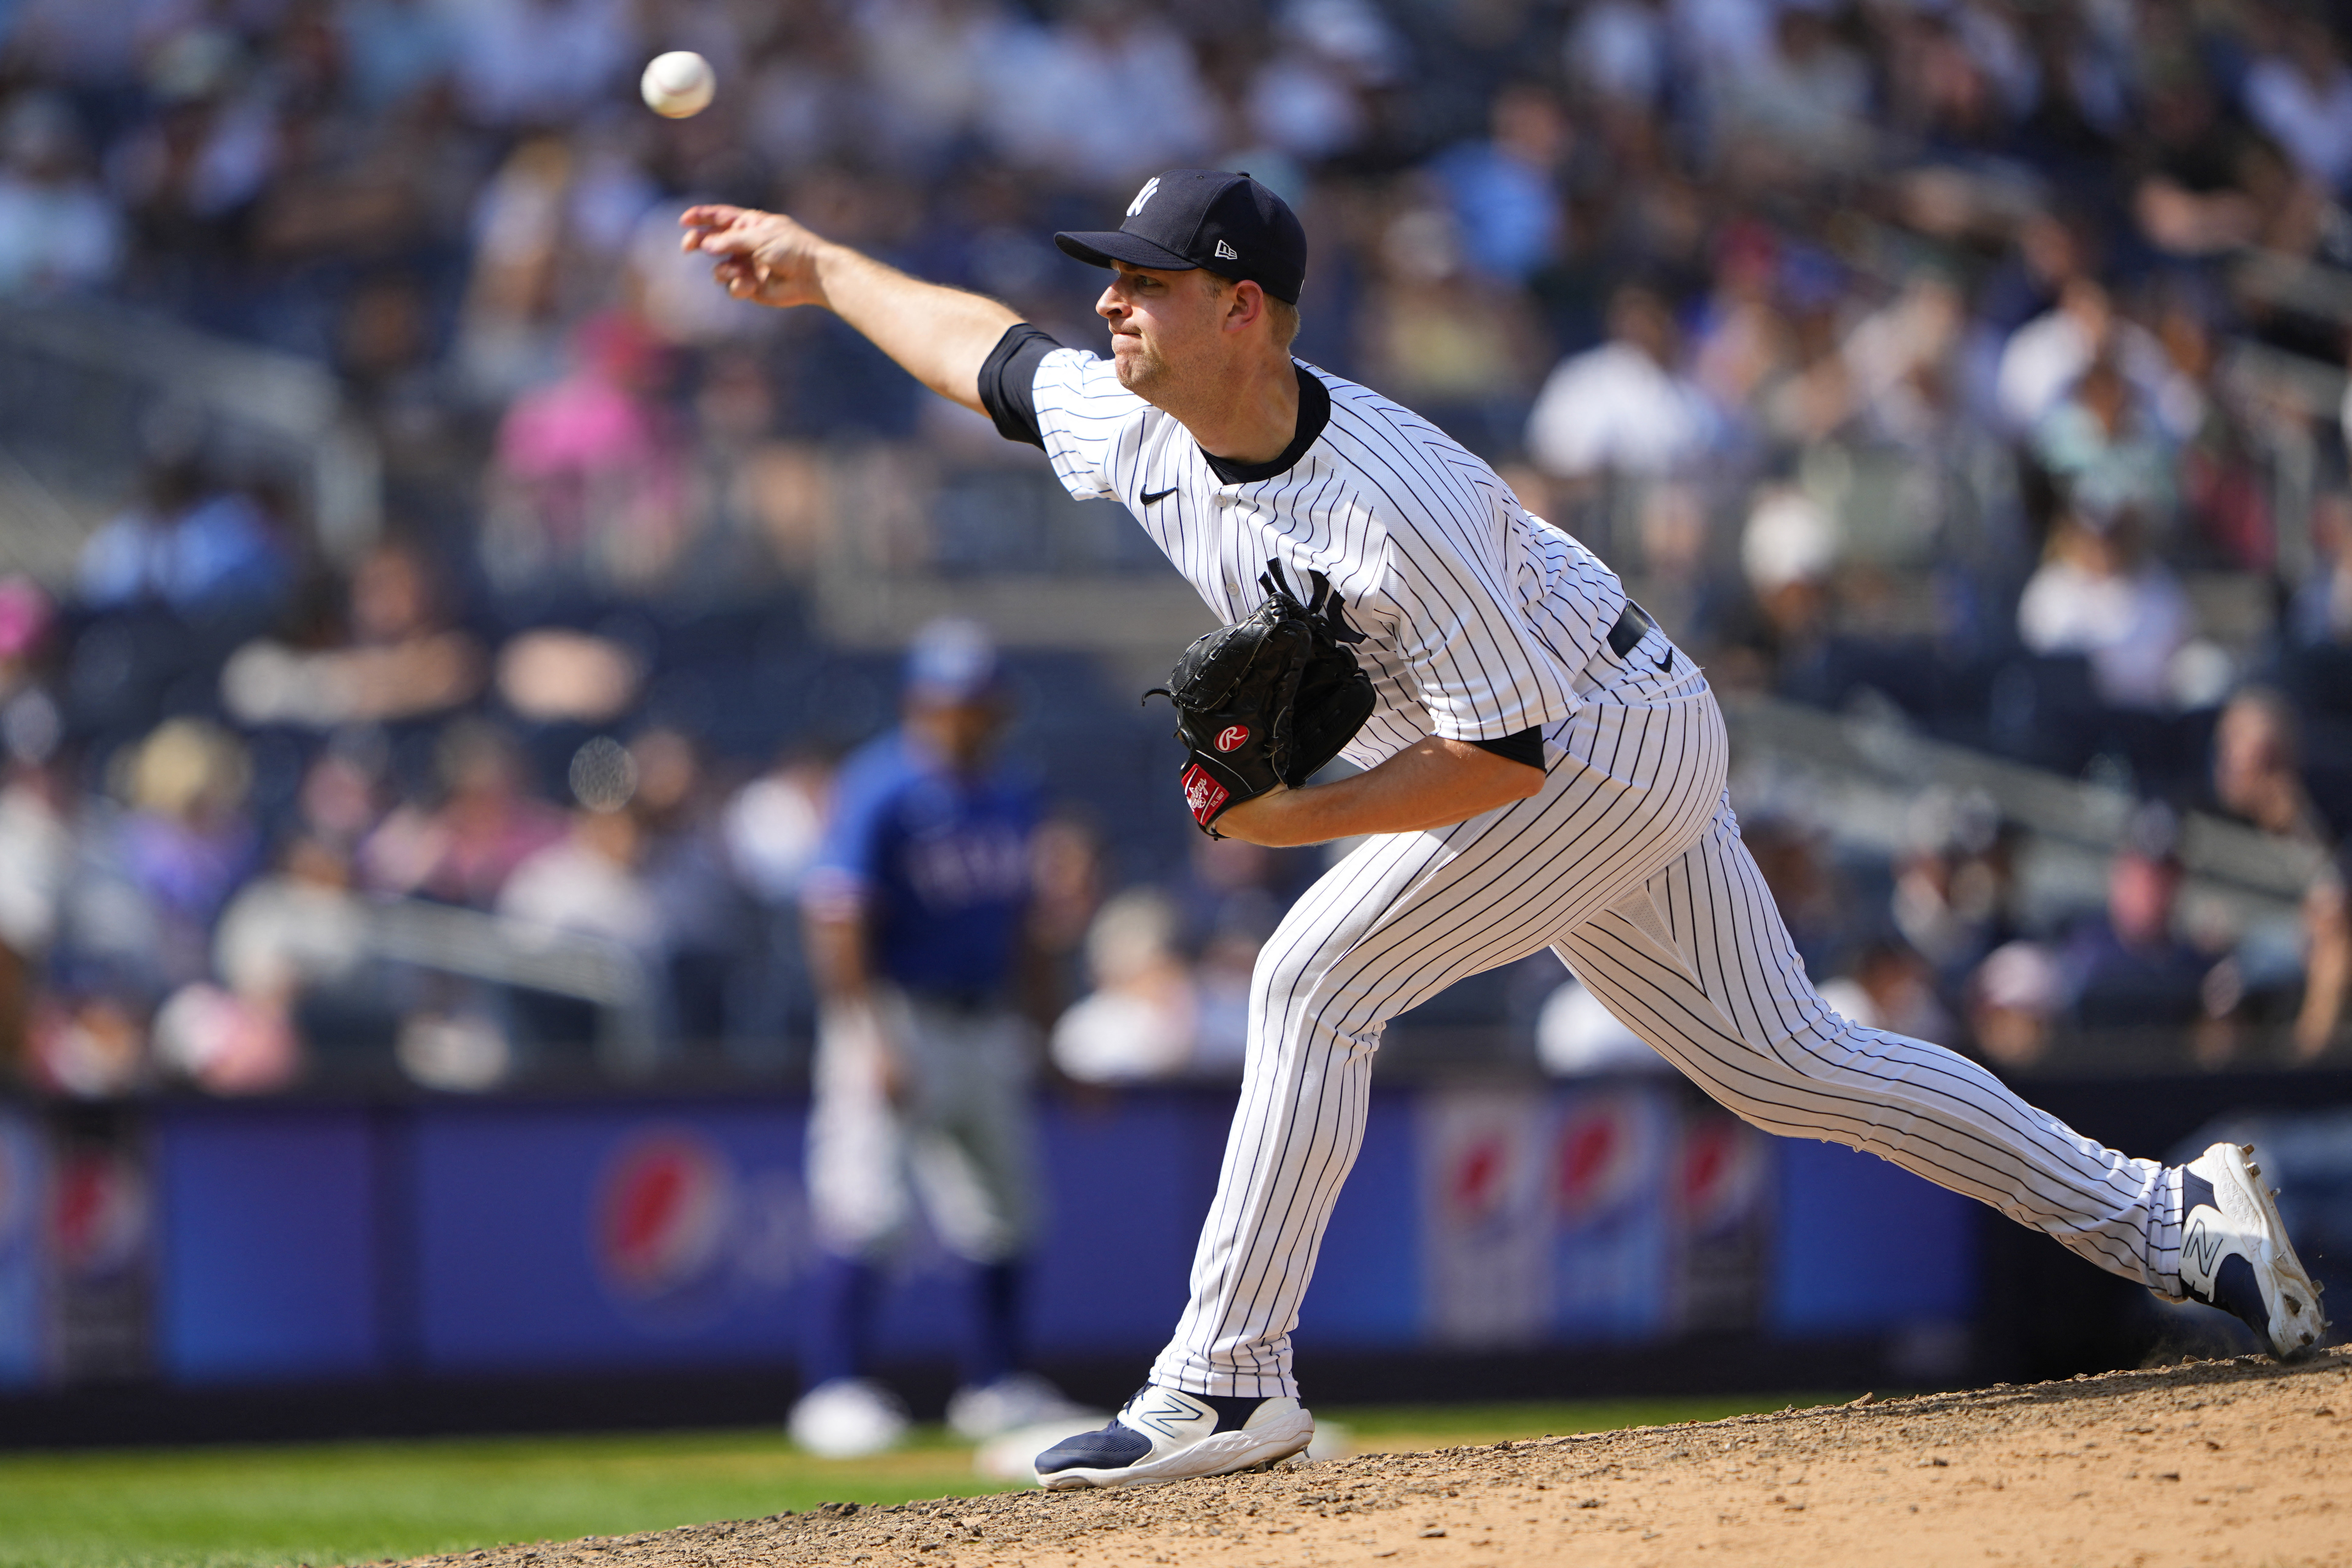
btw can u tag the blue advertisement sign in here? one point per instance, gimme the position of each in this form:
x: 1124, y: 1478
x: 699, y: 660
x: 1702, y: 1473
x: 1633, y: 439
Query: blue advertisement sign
x: 22, y: 1203
x: 559, y: 1236
x: 269, y: 1220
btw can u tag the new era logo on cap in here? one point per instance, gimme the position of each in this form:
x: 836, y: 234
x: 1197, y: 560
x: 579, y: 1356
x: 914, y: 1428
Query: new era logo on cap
x: 1226, y: 223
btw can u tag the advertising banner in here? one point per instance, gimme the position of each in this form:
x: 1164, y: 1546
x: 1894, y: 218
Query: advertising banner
x: 270, y: 1218
x: 22, y: 1199
x: 561, y: 1236
x: 99, y: 1233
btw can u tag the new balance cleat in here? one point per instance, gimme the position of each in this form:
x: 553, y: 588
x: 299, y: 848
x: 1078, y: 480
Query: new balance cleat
x: 1166, y: 1435
x: 2234, y: 1253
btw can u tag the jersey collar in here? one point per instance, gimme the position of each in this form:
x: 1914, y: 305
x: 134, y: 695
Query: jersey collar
x: 1314, y: 412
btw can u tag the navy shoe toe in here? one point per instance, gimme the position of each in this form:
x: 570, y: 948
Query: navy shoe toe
x: 1110, y: 1449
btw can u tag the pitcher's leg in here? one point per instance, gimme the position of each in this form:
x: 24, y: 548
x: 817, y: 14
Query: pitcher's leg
x: 1699, y: 966
x: 1397, y: 922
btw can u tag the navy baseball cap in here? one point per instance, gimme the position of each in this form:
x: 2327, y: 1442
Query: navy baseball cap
x: 1225, y: 224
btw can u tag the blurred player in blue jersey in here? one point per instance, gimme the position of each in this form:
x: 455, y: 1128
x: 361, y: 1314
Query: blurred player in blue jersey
x: 917, y: 915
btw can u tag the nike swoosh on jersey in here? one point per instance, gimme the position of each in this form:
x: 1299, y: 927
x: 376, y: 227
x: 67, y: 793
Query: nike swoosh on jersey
x: 1150, y: 497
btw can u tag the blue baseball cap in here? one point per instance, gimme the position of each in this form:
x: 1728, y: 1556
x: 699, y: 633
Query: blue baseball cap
x: 952, y: 661
x: 1222, y: 223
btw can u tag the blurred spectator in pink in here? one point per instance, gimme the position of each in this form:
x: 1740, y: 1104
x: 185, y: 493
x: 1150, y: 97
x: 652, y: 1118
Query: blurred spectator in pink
x: 588, y: 486
x: 461, y: 848
x: 59, y: 230
x: 291, y: 953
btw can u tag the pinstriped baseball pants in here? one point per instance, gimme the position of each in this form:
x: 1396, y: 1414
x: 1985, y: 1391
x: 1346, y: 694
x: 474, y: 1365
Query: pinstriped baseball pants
x: 1628, y: 865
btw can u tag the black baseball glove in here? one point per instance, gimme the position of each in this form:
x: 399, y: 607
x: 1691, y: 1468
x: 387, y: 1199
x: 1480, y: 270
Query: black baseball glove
x: 1267, y: 700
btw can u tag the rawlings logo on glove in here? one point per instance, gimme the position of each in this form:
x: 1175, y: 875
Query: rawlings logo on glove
x: 1267, y: 700
x: 1203, y: 797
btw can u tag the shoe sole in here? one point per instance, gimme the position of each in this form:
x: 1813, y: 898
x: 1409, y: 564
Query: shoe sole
x: 2296, y: 1323
x: 1219, y: 1453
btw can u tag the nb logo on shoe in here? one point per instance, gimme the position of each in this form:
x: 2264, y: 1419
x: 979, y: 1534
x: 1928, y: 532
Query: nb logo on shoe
x: 1164, y: 1414
x: 1232, y: 736
x: 2200, y: 1253
x: 1151, y: 189
x: 1227, y: 252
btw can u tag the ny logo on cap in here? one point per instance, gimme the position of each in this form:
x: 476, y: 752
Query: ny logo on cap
x: 1151, y: 189
x: 1227, y: 252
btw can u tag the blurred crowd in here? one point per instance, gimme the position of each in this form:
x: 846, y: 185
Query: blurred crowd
x: 1977, y: 364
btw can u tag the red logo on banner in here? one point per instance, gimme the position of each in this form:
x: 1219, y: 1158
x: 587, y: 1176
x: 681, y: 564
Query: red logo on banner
x: 99, y: 1213
x: 1203, y: 794
x: 1232, y: 736
x: 662, y: 1216
x: 1597, y: 1159
x: 1721, y: 1174
x: 1477, y: 1187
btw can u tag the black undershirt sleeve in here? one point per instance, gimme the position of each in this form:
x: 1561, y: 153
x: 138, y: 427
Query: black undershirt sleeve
x: 1526, y: 746
x: 1008, y: 381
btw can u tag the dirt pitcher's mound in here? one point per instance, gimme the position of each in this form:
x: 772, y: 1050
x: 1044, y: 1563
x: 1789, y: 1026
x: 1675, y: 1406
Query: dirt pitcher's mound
x: 2213, y: 1463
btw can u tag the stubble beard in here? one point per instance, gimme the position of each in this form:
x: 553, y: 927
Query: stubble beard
x: 1140, y: 370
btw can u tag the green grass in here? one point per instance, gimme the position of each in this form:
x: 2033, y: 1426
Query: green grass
x: 350, y: 1502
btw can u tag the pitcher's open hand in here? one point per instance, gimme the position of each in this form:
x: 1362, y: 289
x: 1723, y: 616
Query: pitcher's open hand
x: 762, y: 256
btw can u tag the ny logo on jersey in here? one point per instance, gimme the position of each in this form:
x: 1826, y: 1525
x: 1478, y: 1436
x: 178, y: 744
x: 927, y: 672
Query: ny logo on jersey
x: 1151, y: 189
x: 1227, y: 252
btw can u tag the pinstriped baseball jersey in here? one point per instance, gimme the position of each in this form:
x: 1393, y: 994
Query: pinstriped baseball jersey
x: 1477, y: 612
x: 1484, y: 622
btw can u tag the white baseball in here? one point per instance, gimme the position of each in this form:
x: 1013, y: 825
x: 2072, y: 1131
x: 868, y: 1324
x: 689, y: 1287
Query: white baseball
x: 677, y: 84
